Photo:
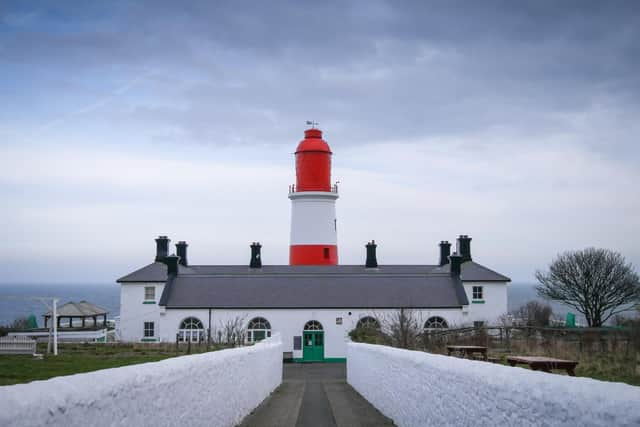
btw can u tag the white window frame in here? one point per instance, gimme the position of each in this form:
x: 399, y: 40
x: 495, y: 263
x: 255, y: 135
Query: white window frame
x: 477, y: 290
x: 193, y: 334
x: 153, y: 291
x: 436, y: 323
x: 146, y: 329
x: 261, y: 321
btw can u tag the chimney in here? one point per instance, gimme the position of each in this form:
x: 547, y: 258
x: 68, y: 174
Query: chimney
x: 455, y: 261
x: 181, y: 251
x: 372, y: 261
x: 445, y: 251
x: 162, y: 248
x: 172, y: 264
x: 256, y: 260
x: 463, y: 247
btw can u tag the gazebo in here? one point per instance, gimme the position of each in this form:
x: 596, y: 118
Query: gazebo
x: 78, y: 310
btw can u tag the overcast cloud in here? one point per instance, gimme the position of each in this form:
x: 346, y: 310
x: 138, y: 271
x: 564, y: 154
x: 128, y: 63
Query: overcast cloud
x: 513, y: 122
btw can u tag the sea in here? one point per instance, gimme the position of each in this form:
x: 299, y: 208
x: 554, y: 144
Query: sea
x: 16, y: 300
x: 22, y: 300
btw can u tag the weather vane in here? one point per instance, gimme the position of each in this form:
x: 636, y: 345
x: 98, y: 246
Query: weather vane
x: 312, y: 124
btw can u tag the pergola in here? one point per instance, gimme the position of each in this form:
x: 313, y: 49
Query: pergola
x: 78, y: 310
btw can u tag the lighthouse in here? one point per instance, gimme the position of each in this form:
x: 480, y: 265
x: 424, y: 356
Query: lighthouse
x: 313, y: 204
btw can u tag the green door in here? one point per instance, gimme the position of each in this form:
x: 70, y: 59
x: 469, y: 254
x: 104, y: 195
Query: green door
x: 313, y: 346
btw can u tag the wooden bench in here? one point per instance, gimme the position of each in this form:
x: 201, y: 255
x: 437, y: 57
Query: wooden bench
x: 17, y: 345
x: 545, y: 364
x: 467, y: 350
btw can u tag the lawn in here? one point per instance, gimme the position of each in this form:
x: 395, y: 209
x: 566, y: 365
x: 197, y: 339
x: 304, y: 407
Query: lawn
x: 78, y: 358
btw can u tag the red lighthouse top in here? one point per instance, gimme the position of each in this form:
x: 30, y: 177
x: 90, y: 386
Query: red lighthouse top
x: 313, y: 142
x: 313, y: 163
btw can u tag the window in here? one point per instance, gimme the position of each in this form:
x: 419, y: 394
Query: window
x: 326, y: 253
x: 313, y: 325
x: 149, y: 330
x: 149, y: 293
x: 368, y: 322
x: 477, y: 292
x: 478, y: 324
x: 435, y: 322
x: 258, y: 329
x: 191, y: 329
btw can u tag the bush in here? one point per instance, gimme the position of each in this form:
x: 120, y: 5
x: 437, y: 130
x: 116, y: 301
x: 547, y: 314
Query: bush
x: 367, y: 335
x: 533, y: 313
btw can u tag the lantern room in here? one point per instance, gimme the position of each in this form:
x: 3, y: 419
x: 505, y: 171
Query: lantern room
x: 313, y: 163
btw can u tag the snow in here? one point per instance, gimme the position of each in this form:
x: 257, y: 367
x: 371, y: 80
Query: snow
x: 422, y: 389
x: 215, y: 389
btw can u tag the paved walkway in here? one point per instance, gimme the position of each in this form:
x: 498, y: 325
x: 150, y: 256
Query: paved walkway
x: 315, y: 395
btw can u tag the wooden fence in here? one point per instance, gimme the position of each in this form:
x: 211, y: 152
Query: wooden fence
x: 506, y: 337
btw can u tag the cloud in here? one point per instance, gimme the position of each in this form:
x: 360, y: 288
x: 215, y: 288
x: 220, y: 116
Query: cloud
x: 75, y: 204
x: 515, y: 123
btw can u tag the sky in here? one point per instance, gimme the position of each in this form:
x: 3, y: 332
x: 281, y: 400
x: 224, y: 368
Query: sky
x: 516, y: 123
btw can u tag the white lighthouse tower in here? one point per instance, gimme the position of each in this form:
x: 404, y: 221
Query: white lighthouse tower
x: 313, y: 204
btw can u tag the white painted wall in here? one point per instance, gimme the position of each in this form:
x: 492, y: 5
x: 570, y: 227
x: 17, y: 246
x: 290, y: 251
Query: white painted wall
x: 133, y: 311
x: 210, y: 389
x: 495, y: 301
x: 421, y: 389
x: 312, y: 218
x: 290, y: 323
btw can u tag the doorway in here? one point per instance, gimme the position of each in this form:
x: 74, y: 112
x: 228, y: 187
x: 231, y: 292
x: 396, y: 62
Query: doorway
x: 313, y: 342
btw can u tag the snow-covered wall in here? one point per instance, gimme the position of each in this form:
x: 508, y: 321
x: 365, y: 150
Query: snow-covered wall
x: 421, y: 389
x: 212, y: 389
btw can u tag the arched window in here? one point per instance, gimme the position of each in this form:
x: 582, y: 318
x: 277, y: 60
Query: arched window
x: 313, y: 325
x: 259, y: 328
x: 368, y: 322
x: 435, y: 322
x: 191, y: 329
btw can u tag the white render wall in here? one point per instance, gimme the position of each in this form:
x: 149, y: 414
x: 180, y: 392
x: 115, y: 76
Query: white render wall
x: 313, y: 216
x: 133, y: 311
x: 495, y: 301
x: 210, y: 389
x: 290, y: 323
x: 421, y: 389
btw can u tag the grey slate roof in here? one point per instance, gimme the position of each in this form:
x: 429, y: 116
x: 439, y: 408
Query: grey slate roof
x: 157, y: 271
x: 366, y: 290
x: 338, y: 286
x: 471, y: 271
x: 78, y: 309
x: 154, y: 272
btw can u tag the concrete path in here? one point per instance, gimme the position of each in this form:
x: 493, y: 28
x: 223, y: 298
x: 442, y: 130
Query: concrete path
x: 315, y: 395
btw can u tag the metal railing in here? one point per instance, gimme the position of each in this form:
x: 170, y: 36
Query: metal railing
x: 332, y: 189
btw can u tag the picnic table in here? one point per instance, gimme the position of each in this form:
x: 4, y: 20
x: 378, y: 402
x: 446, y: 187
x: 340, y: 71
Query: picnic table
x: 545, y: 364
x: 466, y: 350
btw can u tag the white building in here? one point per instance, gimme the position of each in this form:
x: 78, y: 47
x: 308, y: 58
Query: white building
x: 313, y: 303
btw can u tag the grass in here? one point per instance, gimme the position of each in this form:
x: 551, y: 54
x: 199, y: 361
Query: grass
x: 618, y: 365
x: 78, y: 358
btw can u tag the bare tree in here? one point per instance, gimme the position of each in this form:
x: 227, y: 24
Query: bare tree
x: 402, y: 327
x: 533, y: 313
x: 598, y: 283
x: 233, y: 330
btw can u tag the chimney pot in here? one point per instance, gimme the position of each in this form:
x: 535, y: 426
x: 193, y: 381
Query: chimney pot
x: 181, y: 251
x: 162, y: 248
x: 445, y: 251
x: 172, y: 264
x: 456, y: 260
x: 256, y: 259
x: 372, y: 260
x: 463, y: 247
